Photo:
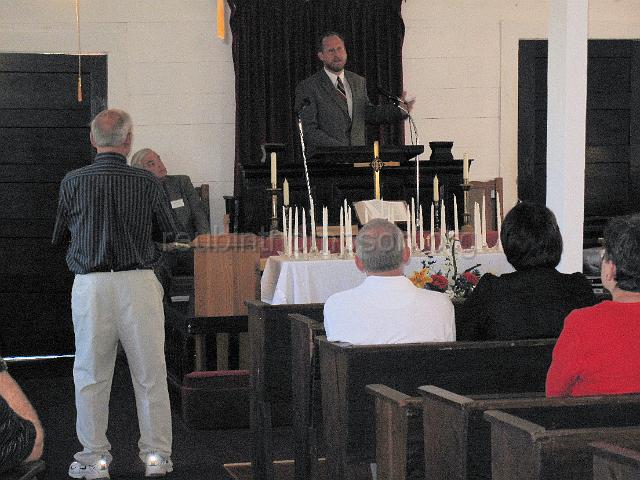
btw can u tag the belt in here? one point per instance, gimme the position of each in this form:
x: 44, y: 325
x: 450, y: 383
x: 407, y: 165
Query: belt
x: 102, y: 269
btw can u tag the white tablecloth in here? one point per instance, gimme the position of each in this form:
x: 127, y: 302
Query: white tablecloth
x: 287, y: 280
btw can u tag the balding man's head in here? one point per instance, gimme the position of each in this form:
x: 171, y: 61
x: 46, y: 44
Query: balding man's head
x: 111, y: 128
x: 379, y: 246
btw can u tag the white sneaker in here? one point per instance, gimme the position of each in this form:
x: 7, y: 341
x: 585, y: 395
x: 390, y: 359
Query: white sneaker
x: 100, y: 469
x: 157, y: 465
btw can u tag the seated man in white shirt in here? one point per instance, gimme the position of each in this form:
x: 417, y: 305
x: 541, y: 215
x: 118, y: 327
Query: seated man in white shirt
x: 387, y: 307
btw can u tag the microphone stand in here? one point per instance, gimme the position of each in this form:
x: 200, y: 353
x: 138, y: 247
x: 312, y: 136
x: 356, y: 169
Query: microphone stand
x: 314, y: 248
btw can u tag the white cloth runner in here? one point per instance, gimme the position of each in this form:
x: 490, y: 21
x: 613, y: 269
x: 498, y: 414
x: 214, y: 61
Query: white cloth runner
x: 288, y: 281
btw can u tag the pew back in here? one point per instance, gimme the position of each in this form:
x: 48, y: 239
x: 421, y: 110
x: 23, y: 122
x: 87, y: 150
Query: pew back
x: 457, y: 438
x: 346, y: 369
x: 270, y: 345
x: 551, y: 441
x: 613, y: 462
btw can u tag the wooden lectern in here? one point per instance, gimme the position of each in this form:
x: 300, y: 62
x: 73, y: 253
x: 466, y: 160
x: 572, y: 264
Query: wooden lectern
x: 225, y: 273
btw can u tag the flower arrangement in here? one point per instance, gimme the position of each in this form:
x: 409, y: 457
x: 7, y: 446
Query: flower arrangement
x: 447, y: 280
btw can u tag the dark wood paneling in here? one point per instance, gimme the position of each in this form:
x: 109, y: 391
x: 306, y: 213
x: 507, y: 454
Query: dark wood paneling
x: 612, y: 164
x: 44, y: 132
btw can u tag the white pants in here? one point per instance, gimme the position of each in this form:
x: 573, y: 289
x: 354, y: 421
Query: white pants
x: 126, y: 306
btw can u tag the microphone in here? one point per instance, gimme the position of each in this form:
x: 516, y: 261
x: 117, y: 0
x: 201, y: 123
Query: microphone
x: 305, y: 103
x: 393, y: 98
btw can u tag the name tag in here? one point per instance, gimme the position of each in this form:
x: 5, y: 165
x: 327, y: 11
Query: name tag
x: 177, y: 203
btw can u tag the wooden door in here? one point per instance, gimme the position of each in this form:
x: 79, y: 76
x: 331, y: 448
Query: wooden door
x: 44, y: 133
x: 612, y: 155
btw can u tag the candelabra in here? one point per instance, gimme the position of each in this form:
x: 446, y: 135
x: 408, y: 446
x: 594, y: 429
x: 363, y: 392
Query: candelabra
x: 466, y: 216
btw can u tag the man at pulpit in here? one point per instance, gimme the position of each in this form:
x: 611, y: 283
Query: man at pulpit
x: 333, y: 103
x: 387, y: 308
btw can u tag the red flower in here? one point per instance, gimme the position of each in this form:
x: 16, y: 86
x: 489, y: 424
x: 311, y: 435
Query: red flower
x: 440, y: 282
x: 471, y: 278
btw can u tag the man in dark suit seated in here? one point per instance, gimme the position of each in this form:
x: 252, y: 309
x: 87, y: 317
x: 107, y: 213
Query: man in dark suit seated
x: 337, y: 104
x: 186, y: 206
x: 21, y: 434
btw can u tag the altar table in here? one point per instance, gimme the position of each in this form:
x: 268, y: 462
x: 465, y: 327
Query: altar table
x: 288, y: 280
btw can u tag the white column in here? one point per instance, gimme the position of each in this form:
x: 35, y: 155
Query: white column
x: 566, y: 123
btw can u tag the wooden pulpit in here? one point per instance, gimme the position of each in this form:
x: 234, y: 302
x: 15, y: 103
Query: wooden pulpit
x: 225, y: 273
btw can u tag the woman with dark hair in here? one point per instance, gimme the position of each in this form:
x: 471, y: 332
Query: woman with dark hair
x: 533, y: 301
x: 597, y: 352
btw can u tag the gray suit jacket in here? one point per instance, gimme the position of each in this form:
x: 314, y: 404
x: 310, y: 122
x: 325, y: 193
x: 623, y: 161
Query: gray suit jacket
x: 191, y: 217
x: 326, y: 119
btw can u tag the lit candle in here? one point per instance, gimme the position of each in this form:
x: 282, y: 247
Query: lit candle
x: 274, y: 170
x: 436, y: 189
x: 325, y: 230
x: 376, y: 149
x: 285, y: 192
x: 285, y: 239
x: 432, y: 239
x: 456, y: 233
x: 304, y: 232
x: 341, y: 231
x: 366, y: 216
x: 465, y: 168
x: 421, y: 230
x: 484, y: 222
x: 295, y: 234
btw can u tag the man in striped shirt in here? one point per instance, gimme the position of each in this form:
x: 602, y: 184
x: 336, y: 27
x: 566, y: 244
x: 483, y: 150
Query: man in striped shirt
x: 112, y: 212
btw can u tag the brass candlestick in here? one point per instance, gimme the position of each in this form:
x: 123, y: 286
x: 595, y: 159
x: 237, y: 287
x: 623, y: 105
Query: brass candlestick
x: 274, y: 207
x: 466, y: 216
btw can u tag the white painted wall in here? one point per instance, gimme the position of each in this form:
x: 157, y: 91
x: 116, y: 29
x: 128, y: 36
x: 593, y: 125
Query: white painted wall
x: 165, y: 66
x: 176, y: 78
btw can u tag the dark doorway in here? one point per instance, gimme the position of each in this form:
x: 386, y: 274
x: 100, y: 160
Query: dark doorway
x: 612, y: 163
x: 44, y: 133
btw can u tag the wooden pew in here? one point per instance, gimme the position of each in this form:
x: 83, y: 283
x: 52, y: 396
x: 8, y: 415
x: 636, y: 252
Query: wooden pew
x: 270, y: 346
x: 613, y: 462
x: 346, y: 369
x: 551, y: 441
x: 306, y: 402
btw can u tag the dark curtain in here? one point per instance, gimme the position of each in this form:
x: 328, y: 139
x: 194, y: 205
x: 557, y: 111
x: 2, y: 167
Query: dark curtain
x: 274, y: 47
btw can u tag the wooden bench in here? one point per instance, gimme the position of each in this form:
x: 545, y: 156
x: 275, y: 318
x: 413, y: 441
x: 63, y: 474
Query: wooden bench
x: 348, y: 410
x: 551, y: 440
x: 270, y: 346
x: 613, y: 462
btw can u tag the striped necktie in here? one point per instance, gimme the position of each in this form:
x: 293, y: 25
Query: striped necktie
x: 341, y: 90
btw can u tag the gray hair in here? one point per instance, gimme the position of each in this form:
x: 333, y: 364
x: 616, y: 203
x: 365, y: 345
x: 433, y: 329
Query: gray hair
x: 379, y: 245
x: 110, y: 128
x: 138, y: 157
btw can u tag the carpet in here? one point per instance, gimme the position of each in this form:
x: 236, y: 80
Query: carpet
x: 283, y: 470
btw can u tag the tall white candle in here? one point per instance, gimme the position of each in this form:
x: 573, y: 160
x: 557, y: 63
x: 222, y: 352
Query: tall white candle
x: 421, y: 235
x: 436, y: 189
x: 285, y: 240
x: 295, y: 234
x: 484, y: 222
x: 274, y: 169
x: 290, y: 235
x: 341, y: 231
x: 443, y: 225
x: 413, y: 221
x: 304, y: 232
x: 432, y: 235
x: 285, y: 192
x: 349, y: 227
x: 498, y: 220
x: 456, y: 233
x: 477, y: 236
x: 313, y: 227
x: 409, y: 242
x: 325, y: 230
x: 465, y: 168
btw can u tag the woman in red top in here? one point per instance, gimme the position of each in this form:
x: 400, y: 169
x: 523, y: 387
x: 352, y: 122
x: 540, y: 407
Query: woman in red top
x: 597, y: 352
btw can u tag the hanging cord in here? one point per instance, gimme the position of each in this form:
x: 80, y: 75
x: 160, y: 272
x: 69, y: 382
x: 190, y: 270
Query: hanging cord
x: 79, y: 51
